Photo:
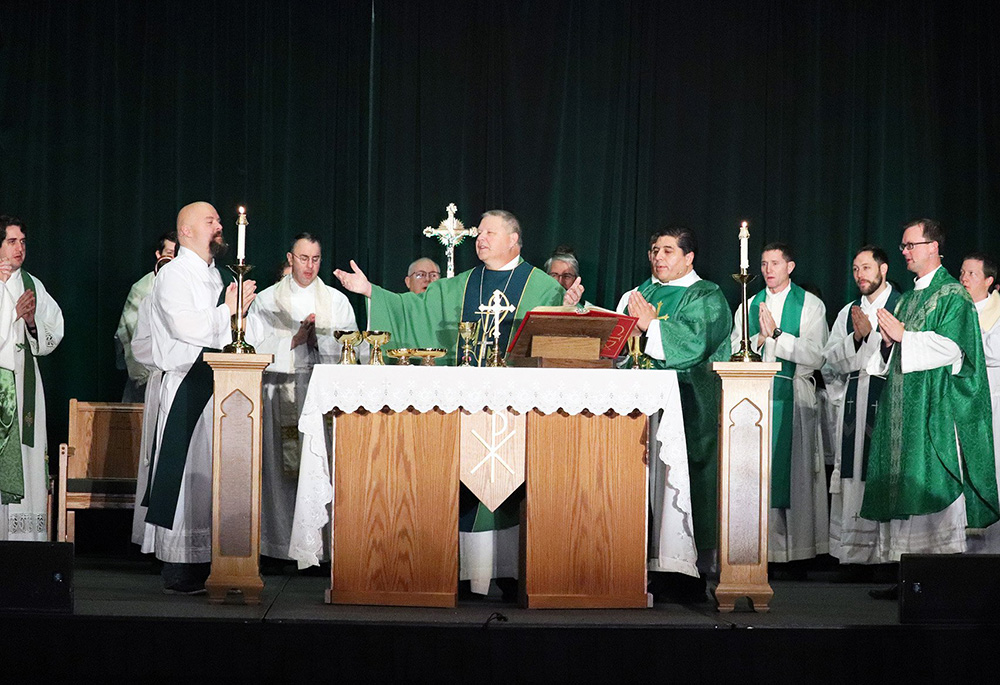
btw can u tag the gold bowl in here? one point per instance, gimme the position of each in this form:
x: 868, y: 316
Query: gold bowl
x: 401, y: 355
x: 429, y: 354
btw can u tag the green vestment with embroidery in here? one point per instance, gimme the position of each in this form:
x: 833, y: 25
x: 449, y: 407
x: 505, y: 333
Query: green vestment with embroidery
x: 915, y: 467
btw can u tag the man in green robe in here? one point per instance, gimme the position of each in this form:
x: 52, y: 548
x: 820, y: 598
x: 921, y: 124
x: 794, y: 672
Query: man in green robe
x: 931, y: 468
x: 687, y: 322
x: 430, y: 319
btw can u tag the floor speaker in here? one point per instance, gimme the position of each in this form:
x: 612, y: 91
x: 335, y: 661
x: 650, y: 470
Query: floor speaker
x: 36, y: 577
x: 949, y: 588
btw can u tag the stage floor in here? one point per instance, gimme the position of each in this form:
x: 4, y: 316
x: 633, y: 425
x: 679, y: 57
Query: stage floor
x: 817, y: 630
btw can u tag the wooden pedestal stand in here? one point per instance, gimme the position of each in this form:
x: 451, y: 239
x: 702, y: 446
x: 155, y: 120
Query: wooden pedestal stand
x: 236, y: 461
x: 744, y: 482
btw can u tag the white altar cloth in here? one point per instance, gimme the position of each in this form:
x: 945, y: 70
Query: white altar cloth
x: 349, y: 388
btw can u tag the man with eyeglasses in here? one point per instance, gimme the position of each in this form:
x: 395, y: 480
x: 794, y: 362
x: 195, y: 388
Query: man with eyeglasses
x: 563, y: 266
x: 294, y: 320
x: 421, y: 274
x: 686, y: 321
x: 853, y: 340
x: 931, y: 471
x: 788, y: 325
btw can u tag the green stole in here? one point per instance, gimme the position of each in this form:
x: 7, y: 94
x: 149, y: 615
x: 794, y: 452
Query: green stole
x: 783, y: 395
x: 28, y: 396
x: 188, y: 404
x: 479, y: 289
x: 915, y: 467
x: 11, y: 464
x: 875, y: 385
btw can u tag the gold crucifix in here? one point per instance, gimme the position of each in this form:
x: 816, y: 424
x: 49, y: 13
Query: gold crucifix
x: 451, y: 232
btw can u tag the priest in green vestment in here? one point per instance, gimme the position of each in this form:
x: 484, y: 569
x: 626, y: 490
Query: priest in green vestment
x: 931, y: 472
x: 430, y: 319
x: 686, y: 321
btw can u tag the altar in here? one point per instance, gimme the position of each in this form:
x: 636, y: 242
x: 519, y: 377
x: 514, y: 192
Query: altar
x: 542, y: 394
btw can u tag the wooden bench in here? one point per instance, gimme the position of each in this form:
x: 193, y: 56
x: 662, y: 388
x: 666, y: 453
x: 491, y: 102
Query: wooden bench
x: 99, y: 462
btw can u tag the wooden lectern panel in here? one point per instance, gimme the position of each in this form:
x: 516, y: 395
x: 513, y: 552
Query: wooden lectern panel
x: 395, y: 538
x: 586, y: 511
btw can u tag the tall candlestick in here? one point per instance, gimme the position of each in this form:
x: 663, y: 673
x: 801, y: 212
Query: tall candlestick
x: 241, y: 236
x: 744, y: 245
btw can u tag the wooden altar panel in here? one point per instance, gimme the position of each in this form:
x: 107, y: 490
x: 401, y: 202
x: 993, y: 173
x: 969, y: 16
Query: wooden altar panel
x: 396, y: 509
x: 586, y: 511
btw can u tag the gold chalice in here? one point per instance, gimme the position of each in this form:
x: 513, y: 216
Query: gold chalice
x: 376, y: 339
x: 468, y: 330
x: 402, y: 355
x: 429, y: 354
x: 348, y: 339
x: 639, y: 360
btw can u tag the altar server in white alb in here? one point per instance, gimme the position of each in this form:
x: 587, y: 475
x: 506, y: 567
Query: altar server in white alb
x: 978, y: 276
x: 788, y: 325
x: 853, y: 340
x: 189, y: 314
x: 294, y: 320
x: 31, y: 325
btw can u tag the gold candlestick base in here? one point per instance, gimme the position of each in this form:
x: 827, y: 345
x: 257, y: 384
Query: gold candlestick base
x: 746, y: 353
x: 239, y: 345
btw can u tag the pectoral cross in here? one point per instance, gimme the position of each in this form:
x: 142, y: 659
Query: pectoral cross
x: 494, y: 312
x: 451, y: 232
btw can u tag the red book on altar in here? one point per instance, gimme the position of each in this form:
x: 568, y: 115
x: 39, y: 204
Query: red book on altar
x: 571, y: 332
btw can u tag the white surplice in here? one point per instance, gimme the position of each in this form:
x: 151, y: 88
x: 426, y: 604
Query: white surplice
x: 801, y: 531
x: 275, y: 317
x: 942, y: 532
x: 127, y: 324
x: 185, y: 317
x: 28, y: 520
x: 853, y: 540
x: 988, y: 541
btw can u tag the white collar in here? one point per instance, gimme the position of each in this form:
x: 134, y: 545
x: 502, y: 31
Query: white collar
x: 924, y: 281
x: 296, y: 288
x: 981, y: 305
x: 879, y: 301
x: 778, y: 295
x: 690, y: 278
x: 189, y: 254
x: 509, y: 266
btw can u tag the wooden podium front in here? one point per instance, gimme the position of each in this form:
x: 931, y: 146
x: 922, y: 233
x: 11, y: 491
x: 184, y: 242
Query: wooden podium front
x: 395, y: 520
x: 586, y: 511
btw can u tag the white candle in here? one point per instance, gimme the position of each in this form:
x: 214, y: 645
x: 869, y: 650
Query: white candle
x: 744, y: 246
x: 241, y: 237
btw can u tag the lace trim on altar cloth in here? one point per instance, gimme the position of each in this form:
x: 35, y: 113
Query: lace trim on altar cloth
x: 25, y: 524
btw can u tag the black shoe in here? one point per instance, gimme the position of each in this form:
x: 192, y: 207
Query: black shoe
x: 677, y: 588
x: 890, y: 593
x: 508, y: 590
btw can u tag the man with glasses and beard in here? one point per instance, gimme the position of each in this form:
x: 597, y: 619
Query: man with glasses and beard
x: 853, y: 340
x: 189, y: 314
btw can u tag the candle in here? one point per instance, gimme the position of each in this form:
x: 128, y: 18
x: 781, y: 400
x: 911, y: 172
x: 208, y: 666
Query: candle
x: 241, y: 238
x: 744, y: 245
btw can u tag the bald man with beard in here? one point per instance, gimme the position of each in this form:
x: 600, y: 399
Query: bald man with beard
x: 189, y: 313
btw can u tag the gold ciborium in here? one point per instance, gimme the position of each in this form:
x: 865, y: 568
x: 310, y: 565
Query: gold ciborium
x: 402, y: 355
x: 376, y: 339
x: 468, y: 330
x: 348, y: 339
x: 429, y: 354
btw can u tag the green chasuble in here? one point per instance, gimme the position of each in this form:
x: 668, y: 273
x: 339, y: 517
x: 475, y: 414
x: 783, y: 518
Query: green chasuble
x: 695, y: 323
x: 431, y: 318
x: 914, y: 467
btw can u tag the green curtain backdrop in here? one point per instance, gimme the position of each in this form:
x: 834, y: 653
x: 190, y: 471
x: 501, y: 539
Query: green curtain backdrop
x: 825, y: 124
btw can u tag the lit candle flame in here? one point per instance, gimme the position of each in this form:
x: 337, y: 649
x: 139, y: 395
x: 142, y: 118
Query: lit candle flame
x: 244, y: 211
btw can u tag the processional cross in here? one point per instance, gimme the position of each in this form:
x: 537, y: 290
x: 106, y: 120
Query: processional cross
x: 451, y: 232
x: 494, y: 312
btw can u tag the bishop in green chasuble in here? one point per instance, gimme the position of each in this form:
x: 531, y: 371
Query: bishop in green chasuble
x: 430, y: 319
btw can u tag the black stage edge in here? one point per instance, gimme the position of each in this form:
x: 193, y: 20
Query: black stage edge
x: 124, y: 627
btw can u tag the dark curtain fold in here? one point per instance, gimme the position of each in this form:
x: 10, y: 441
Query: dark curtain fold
x: 824, y: 124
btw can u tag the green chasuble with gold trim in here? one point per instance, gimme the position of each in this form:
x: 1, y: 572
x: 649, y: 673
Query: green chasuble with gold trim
x: 431, y: 318
x: 915, y: 467
x: 695, y: 322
